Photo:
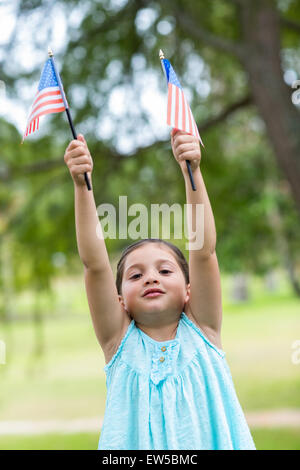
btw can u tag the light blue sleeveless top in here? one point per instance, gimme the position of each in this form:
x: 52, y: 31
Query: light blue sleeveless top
x: 176, y: 394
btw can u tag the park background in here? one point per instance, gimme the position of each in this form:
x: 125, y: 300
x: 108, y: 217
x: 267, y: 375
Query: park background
x: 237, y: 61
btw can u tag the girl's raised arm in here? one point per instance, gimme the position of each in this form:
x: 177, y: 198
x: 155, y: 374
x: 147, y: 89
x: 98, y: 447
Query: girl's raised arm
x: 205, y: 303
x: 108, y: 316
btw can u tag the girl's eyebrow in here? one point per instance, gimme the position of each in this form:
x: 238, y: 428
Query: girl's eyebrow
x: 157, y: 262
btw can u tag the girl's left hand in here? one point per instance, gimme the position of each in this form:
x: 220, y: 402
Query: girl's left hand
x: 185, y: 147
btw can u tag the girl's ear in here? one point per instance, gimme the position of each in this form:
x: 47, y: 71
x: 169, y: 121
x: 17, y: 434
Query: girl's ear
x: 188, y: 292
x: 121, y: 300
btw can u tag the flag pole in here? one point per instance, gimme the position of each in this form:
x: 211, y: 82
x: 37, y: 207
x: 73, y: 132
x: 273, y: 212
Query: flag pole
x: 188, y: 164
x: 51, y: 56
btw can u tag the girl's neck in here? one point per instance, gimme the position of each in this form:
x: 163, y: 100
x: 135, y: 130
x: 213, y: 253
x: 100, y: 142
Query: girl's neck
x: 160, y: 333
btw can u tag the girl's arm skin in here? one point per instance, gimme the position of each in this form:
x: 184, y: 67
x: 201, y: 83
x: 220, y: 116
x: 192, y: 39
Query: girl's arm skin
x: 205, y: 303
x: 108, y: 315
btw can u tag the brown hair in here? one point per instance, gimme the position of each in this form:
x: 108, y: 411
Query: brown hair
x: 176, y: 251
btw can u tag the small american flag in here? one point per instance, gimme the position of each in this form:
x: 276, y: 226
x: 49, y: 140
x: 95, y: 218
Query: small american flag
x: 48, y: 98
x: 179, y: 114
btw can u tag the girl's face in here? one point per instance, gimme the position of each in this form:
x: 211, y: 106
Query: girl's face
x: 151, y: 267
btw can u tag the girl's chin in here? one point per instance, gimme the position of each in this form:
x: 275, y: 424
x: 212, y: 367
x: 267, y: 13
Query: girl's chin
x: 154, y: 306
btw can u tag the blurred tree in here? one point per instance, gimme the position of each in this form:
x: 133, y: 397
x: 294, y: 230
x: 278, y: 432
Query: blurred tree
x: 256, y: 43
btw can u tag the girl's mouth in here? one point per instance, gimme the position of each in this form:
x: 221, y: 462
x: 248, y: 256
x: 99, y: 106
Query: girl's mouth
x: 153, y: 294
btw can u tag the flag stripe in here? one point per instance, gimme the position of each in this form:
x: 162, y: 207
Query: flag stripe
x: 185, y: 122
x: 45, y: 103
x: 173, y: 106
x: 42, y: 113
x: 190, y: 120
x: 57, y: 109
x: 194, y: 125
x: 169, y: 112
x: 52, y: 91
x: 47, y: 97
x: 176, y: 107
x: 180, y: 112
x: 183, y: 110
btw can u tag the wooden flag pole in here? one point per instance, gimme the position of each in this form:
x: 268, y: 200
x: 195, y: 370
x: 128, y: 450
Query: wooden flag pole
x: 188, y: 164
x: 50, y: 53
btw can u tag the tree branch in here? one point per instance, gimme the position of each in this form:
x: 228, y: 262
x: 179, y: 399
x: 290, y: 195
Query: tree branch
x: 246, y: 101
x: 199, y: 33
x: 290, y: 24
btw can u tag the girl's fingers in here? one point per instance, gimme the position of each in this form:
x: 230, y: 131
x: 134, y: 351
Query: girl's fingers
x: 182, y: 138
x: 75, y: 143
x: 180, y: 149
x: 174, y: 131
x: 77, y: 152
x: 81, y: 160
x: 81, y: 138
x: 79, y: 169
x: 190, y: 155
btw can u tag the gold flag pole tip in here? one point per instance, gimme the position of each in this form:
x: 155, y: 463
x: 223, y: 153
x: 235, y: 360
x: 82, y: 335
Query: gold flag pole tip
x: 161, y: 54
x: 50, y: 53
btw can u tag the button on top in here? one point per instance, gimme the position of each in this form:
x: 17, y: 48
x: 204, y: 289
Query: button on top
x: 162, y: 359
x: 163, y: 348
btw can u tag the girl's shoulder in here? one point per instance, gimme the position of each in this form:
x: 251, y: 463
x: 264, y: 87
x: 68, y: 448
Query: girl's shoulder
x: 111, y: 351
x: 210, y: 335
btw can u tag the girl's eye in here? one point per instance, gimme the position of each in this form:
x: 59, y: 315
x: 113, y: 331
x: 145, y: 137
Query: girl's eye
x: 162, y: 271
x: 134, y: 276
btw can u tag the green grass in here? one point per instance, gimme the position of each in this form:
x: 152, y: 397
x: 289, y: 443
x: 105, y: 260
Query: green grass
x: 80, y: 441
x: 265, y: 439
x: 66, y: 382
x: 258, y: 342
x: 276, y: 439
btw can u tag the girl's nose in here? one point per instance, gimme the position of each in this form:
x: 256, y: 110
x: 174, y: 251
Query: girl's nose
x: 150, y: 278
x: 151, y: 281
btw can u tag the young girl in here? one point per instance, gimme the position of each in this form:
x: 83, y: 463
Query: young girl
x: 168, y: 382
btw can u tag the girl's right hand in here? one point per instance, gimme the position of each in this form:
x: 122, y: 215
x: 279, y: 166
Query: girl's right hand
x: 78, y: 159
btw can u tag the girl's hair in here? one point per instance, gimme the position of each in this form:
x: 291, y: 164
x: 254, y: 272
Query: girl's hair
x: 176, y: 251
